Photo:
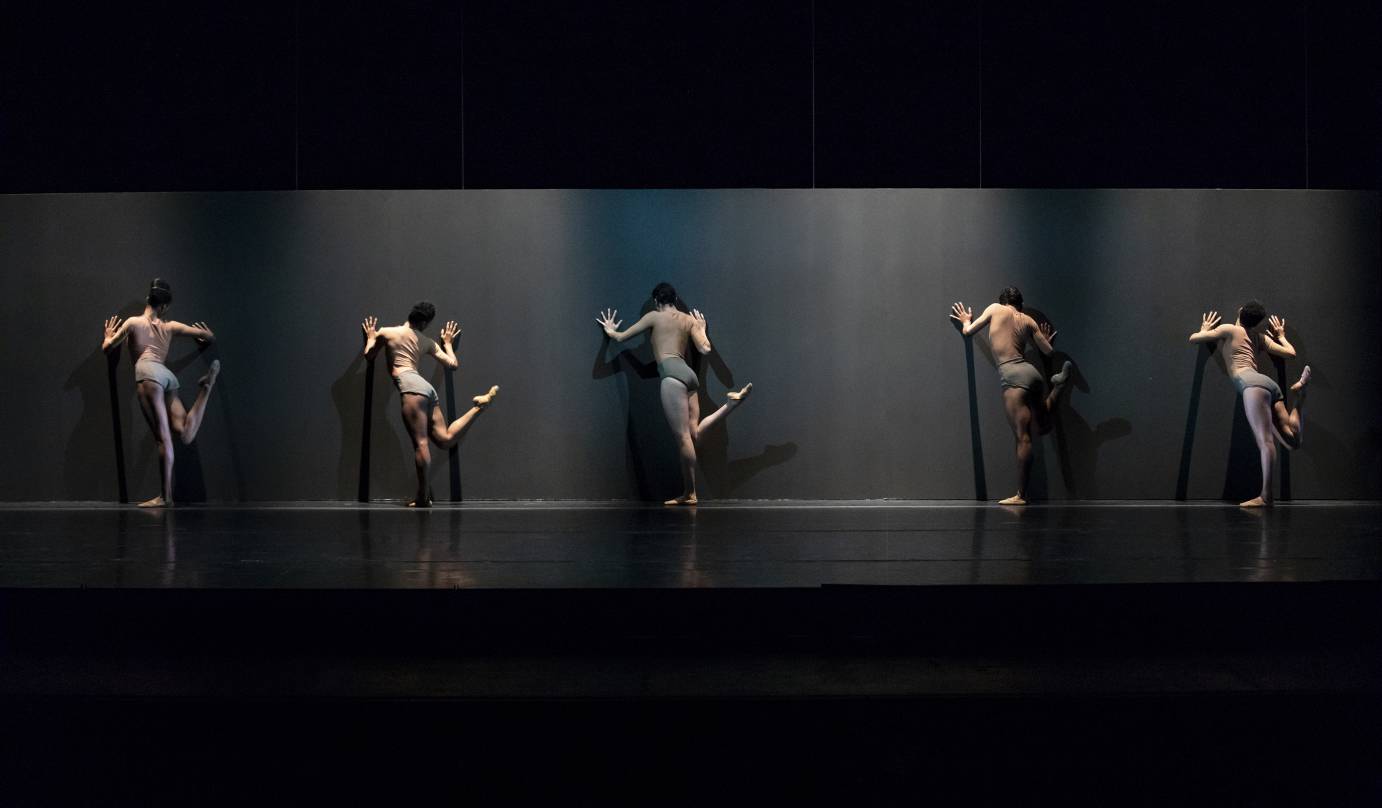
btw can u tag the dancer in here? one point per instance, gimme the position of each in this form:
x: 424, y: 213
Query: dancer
x: 1025, y: 399
x: 157, y: 387
x: 1263, y: 402
x: 422, y: 416
x: 673, y: 327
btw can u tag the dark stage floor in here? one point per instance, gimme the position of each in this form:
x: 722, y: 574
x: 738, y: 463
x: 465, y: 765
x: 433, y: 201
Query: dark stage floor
x: 837, y: 653
x: 717, y: 545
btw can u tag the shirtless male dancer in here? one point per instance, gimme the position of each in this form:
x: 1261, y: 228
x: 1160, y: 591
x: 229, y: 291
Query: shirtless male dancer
x: 405, y: 345
x: 1263, y: 402
x: 1023, y: 386
x: 673, y: 328
x: 157, y: 386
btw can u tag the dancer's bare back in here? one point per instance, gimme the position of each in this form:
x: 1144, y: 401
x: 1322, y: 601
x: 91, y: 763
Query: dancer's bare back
x: 151, y: 335
x: 672, y: 331
x: 1242, y: 344
x: 404, y: 346
x: 1009, y: 330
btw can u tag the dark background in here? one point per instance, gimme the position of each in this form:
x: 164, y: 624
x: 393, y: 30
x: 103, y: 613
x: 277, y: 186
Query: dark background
x: 833, y: 302
x: 259, y: 95
x: 265, y: 96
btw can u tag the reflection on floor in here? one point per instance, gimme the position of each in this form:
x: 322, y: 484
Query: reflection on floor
x: 526, y: 545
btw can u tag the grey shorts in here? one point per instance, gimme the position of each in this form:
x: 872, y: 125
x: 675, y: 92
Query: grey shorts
x: 1244, y: 379
x: 674, y: 367
x: 147, y: 370
x: 1019, y: 373
x: 411, y: 382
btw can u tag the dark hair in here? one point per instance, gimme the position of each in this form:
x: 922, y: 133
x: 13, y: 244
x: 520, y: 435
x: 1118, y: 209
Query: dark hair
x: 1011, y: 297
x: 664, y: 294
x: 422, y: 314
x: 160, y: 293
x: 1251, y: 313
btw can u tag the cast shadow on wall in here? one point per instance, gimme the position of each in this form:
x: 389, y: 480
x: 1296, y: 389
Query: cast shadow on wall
x: 723, y: 476
x: 111, y: 417
x: 650, y: 451
x: 373, y: 460
x: 1077, y: 442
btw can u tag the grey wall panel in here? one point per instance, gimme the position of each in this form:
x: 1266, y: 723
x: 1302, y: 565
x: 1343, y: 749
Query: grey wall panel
x: 832, y: 302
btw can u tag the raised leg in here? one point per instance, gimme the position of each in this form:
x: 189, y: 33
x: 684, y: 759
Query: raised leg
x: 153, y: 404
x: 1290, y: 424
x: 733, y: 400
x: 186, y: 423
x: 1257, y: 405
x: 415, y: 419
x: 1017, y: 404
x: 1058, y: 382
x: 677, y: 405
x: 446, y: 435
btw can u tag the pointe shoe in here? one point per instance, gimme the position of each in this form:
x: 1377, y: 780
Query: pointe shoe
x: 1303, y: 380
x: 210, y: 377
x: 485, y: 399
x: 742, y: 394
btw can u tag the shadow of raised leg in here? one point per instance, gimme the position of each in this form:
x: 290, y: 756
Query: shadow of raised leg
x: 746, y: 468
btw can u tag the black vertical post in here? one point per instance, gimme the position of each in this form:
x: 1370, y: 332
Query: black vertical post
x: 976, y: 445
x: 363, y: 493
x: 1191, y: 417
x: 117, y: 432
x: 454, y: 453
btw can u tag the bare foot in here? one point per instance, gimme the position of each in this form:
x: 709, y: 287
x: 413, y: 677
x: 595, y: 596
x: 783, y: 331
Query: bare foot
x: 424, y: 504
x: 1064, y: 374
x: 1015, y: 499
x: 691, y: 500
x: 1255, y: 502
x: 484, y: 400
x: 1304, y: 379
x: 210, y: 377
x: 156, y: 502
x: 741, y: 395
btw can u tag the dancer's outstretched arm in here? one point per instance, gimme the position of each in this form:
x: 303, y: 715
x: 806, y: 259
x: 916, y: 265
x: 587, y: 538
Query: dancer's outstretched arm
x: 611, y: 327
x: 1044, y: 335
x: 965, y: 317
x: 1275, y: 339
x: 1210, y: 329
x: 201, y: 332
x: 115, y: 332
x: 442, y: 350
x: 373, y: 339
x: 698, y: 336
